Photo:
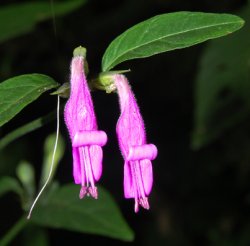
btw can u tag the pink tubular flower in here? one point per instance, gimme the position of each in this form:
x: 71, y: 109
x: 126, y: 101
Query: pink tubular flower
x: 138, y: 174
x: 81, y: 122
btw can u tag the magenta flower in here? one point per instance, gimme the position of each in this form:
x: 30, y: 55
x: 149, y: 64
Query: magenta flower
x: 138, y: 174
x: 81, y: 122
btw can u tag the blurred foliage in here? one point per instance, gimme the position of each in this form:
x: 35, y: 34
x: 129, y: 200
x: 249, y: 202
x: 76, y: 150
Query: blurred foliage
x: 48, y: 155
x: 25, y: 129
x: 26, y: 175
x: 60, y: 207
x: 34, y: 235
x: 18, y: 19
x: 223, y: 85
x: 8, y: 184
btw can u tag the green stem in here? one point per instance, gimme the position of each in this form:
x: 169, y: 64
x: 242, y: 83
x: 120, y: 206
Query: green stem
x: 11, y: 234
x: 29, y: 127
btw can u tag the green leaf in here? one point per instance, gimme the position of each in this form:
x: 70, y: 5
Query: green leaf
x: 8, y: 184
x: 222, y: 86
x: 18, y: 92
x: 65, y: 210
x: 168, y: 32
x: 18, y: 19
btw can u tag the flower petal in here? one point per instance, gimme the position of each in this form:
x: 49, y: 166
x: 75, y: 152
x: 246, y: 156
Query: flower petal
x: 76, y: 166
x: 146, y: 151
x: 96, y: 161
x: 83, y: 138
x: 128, y: 181
x: 147, y: 174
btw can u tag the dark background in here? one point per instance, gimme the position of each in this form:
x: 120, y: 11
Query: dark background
x: 198, y: 197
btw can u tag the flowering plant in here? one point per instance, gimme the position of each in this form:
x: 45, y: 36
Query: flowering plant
x: 86, y: 141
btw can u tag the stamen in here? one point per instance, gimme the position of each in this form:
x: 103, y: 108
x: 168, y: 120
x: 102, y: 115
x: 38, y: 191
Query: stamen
x: 88, y: 184
x: 136, y: 205
x: 138, y: 176
x: 144, y: 202
x: 89, y: 173
x: 140, y: 198
x: 93, y: 192
x: 84, y: 177
x: 88, y: 191
x: 83, y: 192
x: 84, y: 166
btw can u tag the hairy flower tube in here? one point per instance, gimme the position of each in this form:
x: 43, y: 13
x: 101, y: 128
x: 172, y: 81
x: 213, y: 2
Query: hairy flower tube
x: 138, y: 174
x: 80, y: 120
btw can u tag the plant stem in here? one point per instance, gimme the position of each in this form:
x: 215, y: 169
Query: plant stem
x: 11, y: 234
x: 29, y: 127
